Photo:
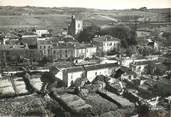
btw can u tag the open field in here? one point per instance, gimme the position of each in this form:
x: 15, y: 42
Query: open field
x: 39, y: 21
x: 58, y: 18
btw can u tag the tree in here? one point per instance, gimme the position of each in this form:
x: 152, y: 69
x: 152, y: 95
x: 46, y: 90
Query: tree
x: 124, y: 33
x: 153, y: 69
x: 167, y: 40
x: 44, y: 61
x: 150, y: 68
x: 88, y: 33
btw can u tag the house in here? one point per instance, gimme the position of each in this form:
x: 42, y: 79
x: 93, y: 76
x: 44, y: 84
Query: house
x: 42, y: 33
x: 13, y: 47
x: 143, y: 33
x: 33, y: 54
x: 9, y: 35
x: 68, y: 38
x: 44, y: 38
x: 45, y: 47
x: 75, y: 26
x: 13, y: 52
x: 84, y: 50
x: 10, y: 41
x: 106, y: 44
x: 124, y: 73
x: 89, y: 71
x: 29, y: 35
x: 30, y: 41
x: 73, y: 50
x: 139, y: 66
x: 153, y: 44
x: 90, y: 51
x: 62, y: 51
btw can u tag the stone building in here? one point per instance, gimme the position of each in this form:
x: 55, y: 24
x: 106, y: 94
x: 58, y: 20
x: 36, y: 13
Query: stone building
x: 75, y: 26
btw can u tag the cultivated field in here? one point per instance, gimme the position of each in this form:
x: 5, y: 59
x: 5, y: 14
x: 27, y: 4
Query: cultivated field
x: 57, y: 18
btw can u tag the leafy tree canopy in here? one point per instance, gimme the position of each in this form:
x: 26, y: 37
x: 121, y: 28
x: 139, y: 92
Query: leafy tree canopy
x: 124, y: 33
x: 88, y: 33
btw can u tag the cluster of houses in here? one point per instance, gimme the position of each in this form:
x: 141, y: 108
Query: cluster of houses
x: 89, y: 72
x: 40, y: 44
x: 61, y: 47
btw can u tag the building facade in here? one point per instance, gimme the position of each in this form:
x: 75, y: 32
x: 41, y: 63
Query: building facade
x: 89, y: 71
x: 62, y: 52
x: 69, y: 50
x: 40, y: 33
x: 45, y: 47
x: 84, y: 51
x: 106, y: 44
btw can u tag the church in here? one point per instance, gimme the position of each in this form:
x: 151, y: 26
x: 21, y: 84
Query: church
x: 75, y: 26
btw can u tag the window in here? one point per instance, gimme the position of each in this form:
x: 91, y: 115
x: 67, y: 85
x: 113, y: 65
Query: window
x: 54, y: 52
x: 78, y: 25
x: 40, y: 47
x: 44, y: 47
x: 60, y: 54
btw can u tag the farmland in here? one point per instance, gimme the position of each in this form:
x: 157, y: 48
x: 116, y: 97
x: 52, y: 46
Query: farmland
x: 57, y: 18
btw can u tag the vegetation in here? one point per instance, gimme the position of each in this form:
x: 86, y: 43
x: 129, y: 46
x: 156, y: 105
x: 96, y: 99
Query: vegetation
x: 167, y: 36
x: 43, y: 17
x: 100, y: 105
x: 154, y: 69
x: 146, y: 50
x: 124, y: 33
x: 23, y: 106
x: 88, y: 33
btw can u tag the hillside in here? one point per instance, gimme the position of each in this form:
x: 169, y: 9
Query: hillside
x: 40, y: 21
x: 44, y: 17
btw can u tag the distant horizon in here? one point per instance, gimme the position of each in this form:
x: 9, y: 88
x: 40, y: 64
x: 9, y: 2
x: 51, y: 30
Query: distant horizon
x: 81, y: 7
x: 91, y: 4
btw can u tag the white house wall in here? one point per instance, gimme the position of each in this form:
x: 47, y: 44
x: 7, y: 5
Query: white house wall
x: 73, y: 76
x: 59, y: 75
x: 93, y: 73
x: 90, y: 52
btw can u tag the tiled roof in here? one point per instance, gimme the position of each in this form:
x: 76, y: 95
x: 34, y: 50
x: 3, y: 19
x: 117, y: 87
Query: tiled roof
x: 29, y: 33
x: 63, y: 46
x: 105, y: 38
x: 91, y: 67
x: 72, y: 45
x: 145, y: 62
x: 80, y: 46
x: 11, y: 47
x: 32, y: 42
x: 100, y: 66
x: 75, y: 69
x: 12, y: 41
x: 44, y: 42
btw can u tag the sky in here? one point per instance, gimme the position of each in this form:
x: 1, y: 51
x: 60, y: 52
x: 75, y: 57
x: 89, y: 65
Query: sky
x: 97, y: 4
